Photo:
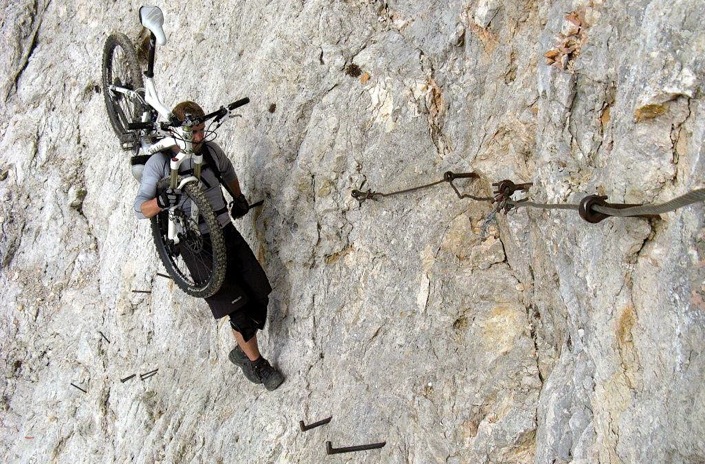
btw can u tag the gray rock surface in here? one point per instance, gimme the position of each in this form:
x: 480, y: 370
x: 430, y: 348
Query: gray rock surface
x: 535, y: 337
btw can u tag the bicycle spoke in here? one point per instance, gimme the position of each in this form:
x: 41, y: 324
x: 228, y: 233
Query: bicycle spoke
x: 197, y: 264
x: 121, y: 112
x: 125, y: 112
x: 121, y: 69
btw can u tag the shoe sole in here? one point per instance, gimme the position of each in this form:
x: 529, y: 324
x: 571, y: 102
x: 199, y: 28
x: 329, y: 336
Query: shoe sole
x: 272, y: 388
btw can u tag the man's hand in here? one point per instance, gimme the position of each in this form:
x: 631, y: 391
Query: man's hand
x: 239, y: 207
x: 168, y: 197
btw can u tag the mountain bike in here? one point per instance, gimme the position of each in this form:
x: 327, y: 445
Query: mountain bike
x: 187, y: 235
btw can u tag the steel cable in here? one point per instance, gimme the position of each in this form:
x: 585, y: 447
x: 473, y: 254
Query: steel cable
x: 409, y: 190
x: 531, y: 204
x: 689, y: 198
x: 449, y: 177
x: 696, y: 196
x: 592, y: 208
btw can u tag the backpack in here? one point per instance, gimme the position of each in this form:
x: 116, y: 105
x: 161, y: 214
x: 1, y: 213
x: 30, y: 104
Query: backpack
x: 137, y: 162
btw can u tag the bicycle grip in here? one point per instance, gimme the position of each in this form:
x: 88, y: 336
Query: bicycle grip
x: 238, y: 104
x: 139, y: 125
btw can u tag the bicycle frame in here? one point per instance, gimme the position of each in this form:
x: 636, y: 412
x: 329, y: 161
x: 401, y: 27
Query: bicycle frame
x: 152, y: 97
x: 187, y: 226
x: 152, y: 21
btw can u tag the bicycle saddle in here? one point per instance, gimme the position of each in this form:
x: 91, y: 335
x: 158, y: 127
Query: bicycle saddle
x: 152, y: 18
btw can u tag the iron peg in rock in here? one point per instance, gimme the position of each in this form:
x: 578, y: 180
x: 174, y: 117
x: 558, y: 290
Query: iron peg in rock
x: 350, y: 449
x: 305, y: 427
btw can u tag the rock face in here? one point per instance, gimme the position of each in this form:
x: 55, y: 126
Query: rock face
x: 532, y: 337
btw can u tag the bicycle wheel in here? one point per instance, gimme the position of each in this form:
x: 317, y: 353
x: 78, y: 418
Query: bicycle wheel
x: 121, y: 69
x: 198, y: 262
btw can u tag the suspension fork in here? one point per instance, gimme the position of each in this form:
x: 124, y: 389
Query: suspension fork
x: 172, y: 229
x: 175, y: 183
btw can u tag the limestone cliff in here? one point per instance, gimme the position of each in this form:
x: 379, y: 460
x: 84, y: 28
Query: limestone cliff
x: 534, y: 337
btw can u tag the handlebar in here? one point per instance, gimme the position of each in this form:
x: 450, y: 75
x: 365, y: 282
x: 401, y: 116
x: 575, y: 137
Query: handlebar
x: 239, y: 103
x: 223, y: 111
x: 218, y: 114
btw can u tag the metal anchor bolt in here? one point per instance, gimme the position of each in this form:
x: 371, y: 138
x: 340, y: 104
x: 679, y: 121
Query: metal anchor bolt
x: 149, y: 374
x: 350, y: 449
x: 305, y: 427
x: 84, y: 391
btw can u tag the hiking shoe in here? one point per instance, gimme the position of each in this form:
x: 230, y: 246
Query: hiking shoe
x: 269, y: 376
x: 240, y: 359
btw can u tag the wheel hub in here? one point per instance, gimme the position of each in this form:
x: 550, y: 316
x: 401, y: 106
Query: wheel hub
x: 193, y: 241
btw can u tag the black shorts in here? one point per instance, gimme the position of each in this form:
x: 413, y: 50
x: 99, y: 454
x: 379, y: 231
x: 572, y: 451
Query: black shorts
x: 244, y: 295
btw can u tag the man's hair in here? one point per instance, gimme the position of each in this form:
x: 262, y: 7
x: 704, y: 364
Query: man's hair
x: 187, y: 107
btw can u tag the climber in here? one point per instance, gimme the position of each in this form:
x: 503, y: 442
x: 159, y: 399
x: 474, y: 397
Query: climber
x: 244, y: 295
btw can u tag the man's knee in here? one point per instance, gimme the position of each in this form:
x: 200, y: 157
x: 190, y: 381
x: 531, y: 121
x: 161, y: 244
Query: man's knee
x: 246, y: 326
x: 247, y: 334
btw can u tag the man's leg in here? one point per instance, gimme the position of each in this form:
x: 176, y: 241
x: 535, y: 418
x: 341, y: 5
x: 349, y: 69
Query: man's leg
x: 250, y: 347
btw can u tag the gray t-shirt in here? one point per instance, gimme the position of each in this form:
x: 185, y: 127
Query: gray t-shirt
x: 157, y: 167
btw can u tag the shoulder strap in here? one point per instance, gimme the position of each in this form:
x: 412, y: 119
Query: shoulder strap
x: 211, y: 162
x: 214, y: 166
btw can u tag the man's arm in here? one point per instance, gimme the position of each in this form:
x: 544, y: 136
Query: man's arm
x: 145, y: 205
x: 150, y: 208
x: 225, y: 166
x: 235, y: 187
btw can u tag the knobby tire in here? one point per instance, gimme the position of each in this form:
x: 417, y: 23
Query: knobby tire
x: 213, y: 258
x: 121, y: 67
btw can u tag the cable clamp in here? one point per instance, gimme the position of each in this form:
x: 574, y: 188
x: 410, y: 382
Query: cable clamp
x: 504, y: 191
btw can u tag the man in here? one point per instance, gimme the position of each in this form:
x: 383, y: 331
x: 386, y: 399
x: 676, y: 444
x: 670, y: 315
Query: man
x: 244, y: 293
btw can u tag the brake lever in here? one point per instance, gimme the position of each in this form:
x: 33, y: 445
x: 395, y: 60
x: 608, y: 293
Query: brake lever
x: 222, y: 112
